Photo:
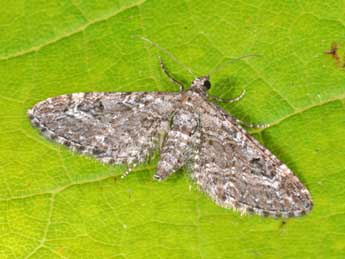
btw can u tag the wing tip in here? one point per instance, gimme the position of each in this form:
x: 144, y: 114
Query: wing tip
x: 35, y: 122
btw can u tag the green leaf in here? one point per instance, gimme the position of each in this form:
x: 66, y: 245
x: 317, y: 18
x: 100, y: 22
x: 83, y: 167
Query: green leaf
x: 57, y: 204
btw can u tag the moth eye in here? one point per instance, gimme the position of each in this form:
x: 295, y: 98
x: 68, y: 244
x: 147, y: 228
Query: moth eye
x: 207, y: 84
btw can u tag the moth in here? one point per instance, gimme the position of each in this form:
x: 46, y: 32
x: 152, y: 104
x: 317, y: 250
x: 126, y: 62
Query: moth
x: 191, y: 132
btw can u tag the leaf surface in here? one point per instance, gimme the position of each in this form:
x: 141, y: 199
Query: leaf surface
x: 57, y: 204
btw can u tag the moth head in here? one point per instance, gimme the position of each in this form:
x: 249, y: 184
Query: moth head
x: 201, y: 83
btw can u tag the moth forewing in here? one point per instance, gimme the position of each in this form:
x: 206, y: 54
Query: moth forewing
x: 125, y: 128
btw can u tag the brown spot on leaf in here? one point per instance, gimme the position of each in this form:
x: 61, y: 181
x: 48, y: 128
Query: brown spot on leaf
x: 333, y: 51
x: 337, y: 54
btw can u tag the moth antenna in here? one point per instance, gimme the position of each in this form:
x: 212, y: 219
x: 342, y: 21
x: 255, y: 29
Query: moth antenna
x: 167, y: 53
x: 231, y: 60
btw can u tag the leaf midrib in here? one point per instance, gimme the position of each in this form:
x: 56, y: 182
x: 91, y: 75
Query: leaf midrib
x: 72, y: 33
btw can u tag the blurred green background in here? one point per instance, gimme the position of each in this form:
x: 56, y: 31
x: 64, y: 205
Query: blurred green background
x: 56, y: 204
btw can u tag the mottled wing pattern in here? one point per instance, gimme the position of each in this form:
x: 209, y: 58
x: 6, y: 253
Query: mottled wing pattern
x: 120, y: 128
x: 238, y: 172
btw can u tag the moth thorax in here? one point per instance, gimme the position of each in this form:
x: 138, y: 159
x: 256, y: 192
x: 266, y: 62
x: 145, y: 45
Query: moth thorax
x: 201, y: 85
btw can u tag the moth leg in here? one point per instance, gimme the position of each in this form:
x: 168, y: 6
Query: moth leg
x: 232, y: 100
x: 236, y: 99
x: 125, y: 174
x: 178, y: 145
x: 252, y: 125
x: 128, y: 171
x: 173, y: 80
